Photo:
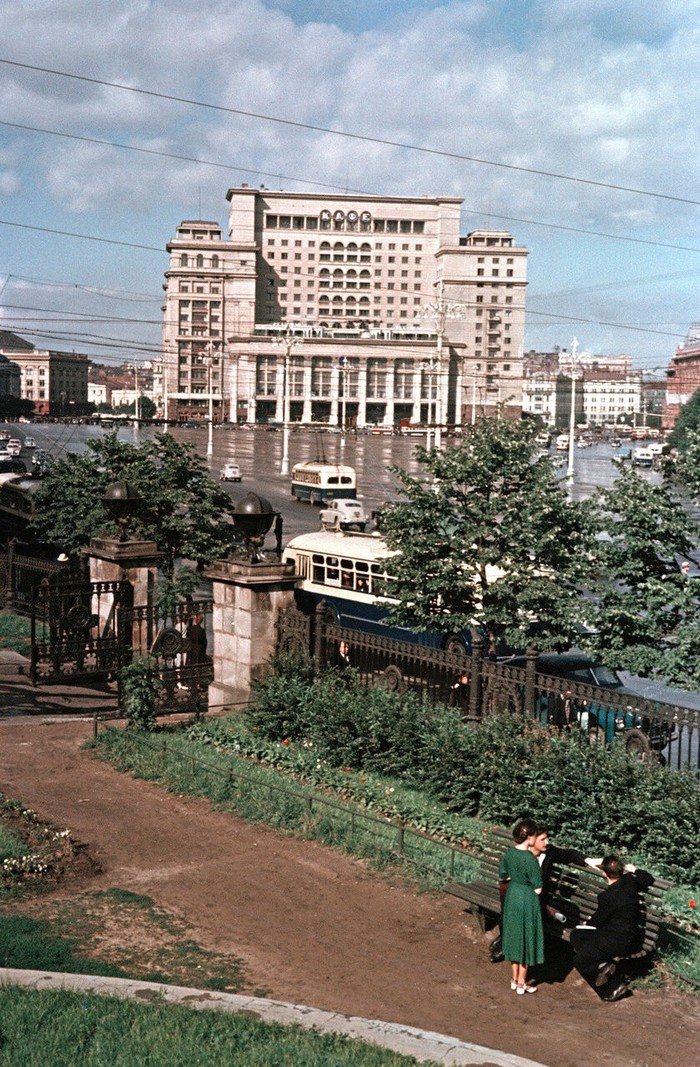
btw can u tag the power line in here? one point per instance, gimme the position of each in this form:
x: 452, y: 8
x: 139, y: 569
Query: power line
x: 82, y: 236
x: 345, y: 189
x: 351, y: 136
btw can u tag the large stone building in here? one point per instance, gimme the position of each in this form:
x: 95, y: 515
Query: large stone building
x: 55, y: 382
x: 607, y: 390
x: 356, y: 309
x: 682, y: 376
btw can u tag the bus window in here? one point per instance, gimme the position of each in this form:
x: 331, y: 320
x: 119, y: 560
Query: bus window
x: 319, y: 569
x: 332, y: 572
x: 346, y: 574
x: 362, y: 576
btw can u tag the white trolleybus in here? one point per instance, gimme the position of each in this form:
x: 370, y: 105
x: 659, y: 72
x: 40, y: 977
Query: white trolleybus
x: 348, y: 572
x: 317, y: 481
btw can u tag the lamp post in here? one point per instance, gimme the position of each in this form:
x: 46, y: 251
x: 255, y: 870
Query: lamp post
x: 440, y: 311
x: 343, y: 363
x: 288, y: 340
x: 572, y: 413
x: 210, y: 424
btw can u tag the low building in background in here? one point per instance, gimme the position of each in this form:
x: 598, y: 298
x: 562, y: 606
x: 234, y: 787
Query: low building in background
x: 682, y: 376
x: 55, y: 382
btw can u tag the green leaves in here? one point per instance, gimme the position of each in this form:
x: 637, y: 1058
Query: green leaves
x: 488, y: 537
x: 181, y: 508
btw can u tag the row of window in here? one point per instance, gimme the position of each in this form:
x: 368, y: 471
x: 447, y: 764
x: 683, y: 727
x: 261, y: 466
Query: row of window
x: 339, y: 220
x: 199, y: 262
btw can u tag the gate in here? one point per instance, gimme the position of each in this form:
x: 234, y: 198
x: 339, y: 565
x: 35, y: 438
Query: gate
x: 87, y: 631
x: 78, y: 630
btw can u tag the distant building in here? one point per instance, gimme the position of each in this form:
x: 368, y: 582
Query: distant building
x: 10, y: 378
x: 682, y: 376
x: 607, y: 390
x: 55, y: 382
x: 365, y: 308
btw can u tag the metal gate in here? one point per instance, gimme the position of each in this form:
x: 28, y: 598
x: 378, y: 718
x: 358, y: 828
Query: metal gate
x: 78, y: 630
x: 87, y: 631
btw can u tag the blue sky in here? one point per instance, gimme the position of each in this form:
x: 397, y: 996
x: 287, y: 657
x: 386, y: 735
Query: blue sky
x: 600, y: 90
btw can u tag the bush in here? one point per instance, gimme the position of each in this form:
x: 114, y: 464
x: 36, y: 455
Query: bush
x: 139, y: 692
x: 593, y: 797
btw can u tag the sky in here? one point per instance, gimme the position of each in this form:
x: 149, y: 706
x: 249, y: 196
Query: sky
x: 571, y: 123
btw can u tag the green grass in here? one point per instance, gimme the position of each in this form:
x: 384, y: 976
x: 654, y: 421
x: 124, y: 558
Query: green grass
x: 74, y: 1030
x: 33, y: 945
x: 11, y: 844
x: 15, y: 633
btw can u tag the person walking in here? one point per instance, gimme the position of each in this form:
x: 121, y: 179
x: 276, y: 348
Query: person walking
x: 521, y: 922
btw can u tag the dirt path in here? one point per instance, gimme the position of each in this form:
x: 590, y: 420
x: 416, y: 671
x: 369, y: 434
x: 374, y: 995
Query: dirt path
x: 316, y: 927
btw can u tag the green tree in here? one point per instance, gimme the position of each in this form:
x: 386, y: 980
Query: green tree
x: 488, y: 537
x: 643, y: 607
x: 181, y: 508
x: 688, y: 421
x: 684, y: 472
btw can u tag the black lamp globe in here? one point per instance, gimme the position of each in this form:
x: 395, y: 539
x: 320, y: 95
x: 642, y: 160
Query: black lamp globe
x: 252, y: 517
x: 121, y: 501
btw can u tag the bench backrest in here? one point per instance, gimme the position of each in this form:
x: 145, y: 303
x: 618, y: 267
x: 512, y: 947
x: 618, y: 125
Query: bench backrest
x: 578, y: 887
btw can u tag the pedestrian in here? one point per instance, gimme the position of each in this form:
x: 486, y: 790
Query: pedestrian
x: 196, y: 638
x: 613, y: 929
x: 547, y: 855
x: 521, y: 921
x: 279, y: 523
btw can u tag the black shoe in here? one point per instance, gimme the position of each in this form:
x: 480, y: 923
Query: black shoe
x: 605, y: 973
x: 617, y: 993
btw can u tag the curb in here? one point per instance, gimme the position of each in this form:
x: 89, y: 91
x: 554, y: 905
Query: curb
x: 407, y: 1040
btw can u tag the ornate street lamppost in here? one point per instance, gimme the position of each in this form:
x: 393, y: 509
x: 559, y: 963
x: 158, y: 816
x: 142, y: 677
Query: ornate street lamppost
x: 289, y: 340
x: 440, y: 311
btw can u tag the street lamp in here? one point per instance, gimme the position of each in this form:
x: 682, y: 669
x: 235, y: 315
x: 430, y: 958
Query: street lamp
x: 440, y: 312
x: 289, y: 340
x: 343, y: 363
x: 572, y: 412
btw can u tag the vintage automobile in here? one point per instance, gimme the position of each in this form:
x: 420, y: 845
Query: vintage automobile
x: 230, y: 472
x: 343, y: 514
x: 642, y: 733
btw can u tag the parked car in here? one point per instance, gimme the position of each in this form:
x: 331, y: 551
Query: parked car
x: 29, y: 442
x: 342, y: 514
x: 641, y: 733
x: 14, y: 446
x: 230, y: 472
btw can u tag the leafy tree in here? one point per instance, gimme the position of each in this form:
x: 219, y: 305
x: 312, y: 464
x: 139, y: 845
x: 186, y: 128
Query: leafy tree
x: 684, y: 472
x: 181, y: 508
x: 688, y: 421
x: 643, y: 607
x: 487, y: 537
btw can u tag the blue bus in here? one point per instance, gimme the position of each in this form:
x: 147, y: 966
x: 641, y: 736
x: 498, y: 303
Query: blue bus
x: 348, y: 572
x: 317, y: 481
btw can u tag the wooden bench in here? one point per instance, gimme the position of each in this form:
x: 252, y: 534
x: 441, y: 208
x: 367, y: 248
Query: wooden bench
x: 572, y: 890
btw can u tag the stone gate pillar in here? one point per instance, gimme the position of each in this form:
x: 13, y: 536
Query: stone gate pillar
x: 247, y: 600
x: 134, y: 561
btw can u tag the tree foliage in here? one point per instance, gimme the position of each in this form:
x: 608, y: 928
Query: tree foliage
x: 687, y: 423
x: 181, y: 508
x: 643, y: 607
x: 487, y: 537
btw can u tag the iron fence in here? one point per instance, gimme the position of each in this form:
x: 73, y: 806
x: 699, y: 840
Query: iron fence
x: 20, y: 573
x: 652, y: 729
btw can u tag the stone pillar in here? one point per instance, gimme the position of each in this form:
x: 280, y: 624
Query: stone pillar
x: 247, y: 600
x: 135, y: 562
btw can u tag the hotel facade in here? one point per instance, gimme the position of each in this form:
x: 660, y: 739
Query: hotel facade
x: 353, y: 310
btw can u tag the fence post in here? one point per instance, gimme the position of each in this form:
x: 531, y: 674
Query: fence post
x: 319, y: 635
x: 10, y: 586
x: 530, y: 672
x: 475, y: 676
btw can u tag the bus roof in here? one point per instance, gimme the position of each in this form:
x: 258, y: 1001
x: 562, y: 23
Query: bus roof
x: 319, y: 465
x: 344, y: 543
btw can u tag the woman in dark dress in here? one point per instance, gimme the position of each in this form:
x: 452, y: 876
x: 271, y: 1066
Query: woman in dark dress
x: 521, y: 921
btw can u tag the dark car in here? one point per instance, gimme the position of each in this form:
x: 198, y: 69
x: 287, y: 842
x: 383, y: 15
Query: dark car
x: 640, y: 732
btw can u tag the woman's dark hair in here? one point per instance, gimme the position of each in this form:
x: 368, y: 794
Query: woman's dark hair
x: 523, y: 829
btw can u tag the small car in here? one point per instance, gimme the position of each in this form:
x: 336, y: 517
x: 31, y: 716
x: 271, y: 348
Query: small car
x: 230, y: 472
x: 342, y: 514
x: 29, y: 442
x: 14, y: 446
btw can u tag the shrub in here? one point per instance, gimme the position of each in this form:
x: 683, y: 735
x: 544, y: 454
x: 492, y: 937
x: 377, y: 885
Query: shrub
x: 139, y: 691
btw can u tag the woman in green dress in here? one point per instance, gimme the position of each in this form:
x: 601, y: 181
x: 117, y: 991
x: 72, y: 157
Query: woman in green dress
x: 521, y: 921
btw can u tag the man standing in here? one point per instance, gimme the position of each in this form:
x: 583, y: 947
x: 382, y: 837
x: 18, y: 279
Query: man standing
x: 612, y: 930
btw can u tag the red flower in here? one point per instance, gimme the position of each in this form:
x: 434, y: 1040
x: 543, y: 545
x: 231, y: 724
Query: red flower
x: 363, y: 779
x: 348, y: 771
x: 285, y: 742
x: 692, y: 904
